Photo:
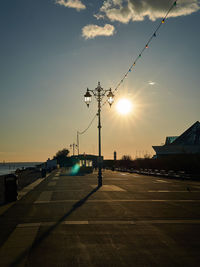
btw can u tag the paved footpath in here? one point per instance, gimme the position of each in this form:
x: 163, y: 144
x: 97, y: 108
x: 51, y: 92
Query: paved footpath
x: 132, y: 220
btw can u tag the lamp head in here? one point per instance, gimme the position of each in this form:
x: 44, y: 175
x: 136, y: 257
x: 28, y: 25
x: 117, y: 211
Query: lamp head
x: 88, y: 97
x: 110, y: 97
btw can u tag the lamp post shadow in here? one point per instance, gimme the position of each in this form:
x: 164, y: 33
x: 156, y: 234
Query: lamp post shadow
x: 77, y: 205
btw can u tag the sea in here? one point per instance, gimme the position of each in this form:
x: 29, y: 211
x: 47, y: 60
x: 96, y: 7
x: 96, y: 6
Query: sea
x: 11, y: 167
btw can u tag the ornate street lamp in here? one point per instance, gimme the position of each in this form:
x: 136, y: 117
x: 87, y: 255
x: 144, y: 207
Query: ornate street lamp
x: 99, y: 94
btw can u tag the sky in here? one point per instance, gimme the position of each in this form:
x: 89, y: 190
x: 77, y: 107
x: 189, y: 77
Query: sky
x: 52, y: 50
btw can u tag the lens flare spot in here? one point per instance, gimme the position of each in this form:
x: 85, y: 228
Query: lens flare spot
x: 75, y: 169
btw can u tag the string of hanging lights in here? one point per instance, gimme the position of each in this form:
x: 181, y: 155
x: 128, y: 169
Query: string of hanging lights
x: 144, y: 48
x: 84, y: 131
x: 136, y: 59
x: 88, y: 125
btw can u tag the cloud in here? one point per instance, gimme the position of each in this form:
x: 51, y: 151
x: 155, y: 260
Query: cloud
x: 136, y: 10
x: 77, y: 4
x: 91, y: 31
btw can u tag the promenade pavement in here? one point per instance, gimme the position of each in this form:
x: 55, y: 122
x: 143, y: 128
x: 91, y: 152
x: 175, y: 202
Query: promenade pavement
x: 132, y: 220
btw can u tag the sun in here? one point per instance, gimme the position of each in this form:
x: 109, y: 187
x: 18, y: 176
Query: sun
x: 124, y: 106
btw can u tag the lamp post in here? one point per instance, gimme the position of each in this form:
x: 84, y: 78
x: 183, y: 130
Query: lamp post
x: 77, y: 137
x: 73, y: 146
x: 99, y: 94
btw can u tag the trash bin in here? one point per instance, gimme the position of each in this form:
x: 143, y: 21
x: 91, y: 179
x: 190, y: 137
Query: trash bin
x: 43, y: 173
x: 10, y: 187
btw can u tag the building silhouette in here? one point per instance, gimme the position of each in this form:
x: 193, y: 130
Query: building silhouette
x: 187, y: 143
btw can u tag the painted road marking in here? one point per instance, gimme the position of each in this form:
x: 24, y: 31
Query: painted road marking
x: 116, y: 179
x: 118, y: 200
x: 159, y: 191
x: 109, y: 188
x: 45, y: 196
x: 51, y: 183
x: 162, y: 181
x: 17, y: 244
x: 136, y: 222
x: 69, y: 190
x: 168, y: 191
x: 28, y: 225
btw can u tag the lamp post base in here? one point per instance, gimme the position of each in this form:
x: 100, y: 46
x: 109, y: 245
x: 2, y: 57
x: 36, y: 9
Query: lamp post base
x: 99, y: 178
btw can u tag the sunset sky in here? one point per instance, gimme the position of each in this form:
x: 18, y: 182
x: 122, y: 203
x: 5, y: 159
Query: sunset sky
x: 52, y: 50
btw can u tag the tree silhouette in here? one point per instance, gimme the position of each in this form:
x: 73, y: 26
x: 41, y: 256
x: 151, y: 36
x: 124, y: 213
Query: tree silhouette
x: 126, y: 158
x: 126, y: 161
x: 61, y: 155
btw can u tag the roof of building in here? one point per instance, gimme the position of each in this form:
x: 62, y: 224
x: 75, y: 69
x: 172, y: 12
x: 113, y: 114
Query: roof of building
x: 187, y: 142
x: 190, y: 137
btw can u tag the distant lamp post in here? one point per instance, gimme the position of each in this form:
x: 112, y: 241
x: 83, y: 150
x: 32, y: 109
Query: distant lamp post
x: 99, y: 94
x: 73, y: 146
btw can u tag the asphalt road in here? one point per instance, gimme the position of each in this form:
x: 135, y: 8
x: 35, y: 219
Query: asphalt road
x: 132, y: 220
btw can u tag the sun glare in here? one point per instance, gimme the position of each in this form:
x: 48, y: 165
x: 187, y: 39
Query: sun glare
x: 124, y: 106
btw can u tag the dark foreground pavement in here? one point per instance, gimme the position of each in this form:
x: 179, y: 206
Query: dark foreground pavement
x: 132, y: 220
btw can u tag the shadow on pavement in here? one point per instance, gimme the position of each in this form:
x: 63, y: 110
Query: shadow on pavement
x: 77, y: 205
